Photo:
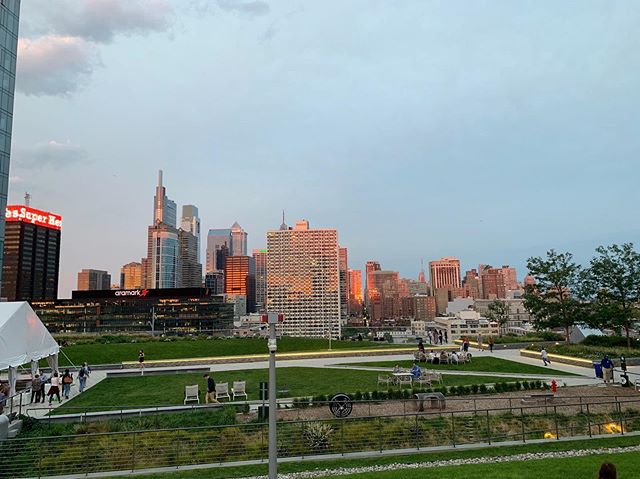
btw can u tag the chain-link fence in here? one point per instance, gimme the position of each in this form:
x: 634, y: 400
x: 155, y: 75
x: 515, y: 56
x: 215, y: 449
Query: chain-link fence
x: 123, y: 451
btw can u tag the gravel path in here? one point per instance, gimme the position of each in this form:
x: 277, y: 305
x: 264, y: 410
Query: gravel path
x: 345, y: 471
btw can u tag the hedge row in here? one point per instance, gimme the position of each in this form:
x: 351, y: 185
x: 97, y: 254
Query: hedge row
x: 303, y: 402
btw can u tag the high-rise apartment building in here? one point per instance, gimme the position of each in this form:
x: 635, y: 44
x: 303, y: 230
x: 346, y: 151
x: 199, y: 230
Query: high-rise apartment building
x: 190, y: 269
x: 9, y: 22
x: 238, y: 240
x: 425, y: 307
x: 131, y: 276
x: 343, y: 263
x: 214, y: 281
x: 303, y: 280
x: 260, y: 258
x: 370, y: 267
x: 445, y: 273
x: 355, y: 292
x: 240, y: 280
x: 93, y: 280
x: 384, y: 289
x: 161, y: 268
x: 190, y: 222
x: 31, y: 253
x: 218, y: 248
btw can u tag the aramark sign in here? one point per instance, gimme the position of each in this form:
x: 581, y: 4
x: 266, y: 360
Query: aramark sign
x: 25, y: 214
x: 141, y: 293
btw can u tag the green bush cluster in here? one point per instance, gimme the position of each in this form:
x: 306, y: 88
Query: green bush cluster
x: 303, y: 402
x: 610, y: 341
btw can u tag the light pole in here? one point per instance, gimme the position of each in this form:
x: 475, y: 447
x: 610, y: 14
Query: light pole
x: 272, y: 319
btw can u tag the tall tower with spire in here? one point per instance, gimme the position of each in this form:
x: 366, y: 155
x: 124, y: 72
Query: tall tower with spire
x: 422, y: 277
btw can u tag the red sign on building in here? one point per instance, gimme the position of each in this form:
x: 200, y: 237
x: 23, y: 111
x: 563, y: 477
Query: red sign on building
x: 25, y: 214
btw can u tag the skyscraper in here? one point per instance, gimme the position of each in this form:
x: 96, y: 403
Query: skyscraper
x: 218, y: 248
x: 355, y: 292
x: 303, y: 280
x: 161, y: 268
x: 370, y: 267
x: 31, y: 254
x: 93, y: 279
x: 240, y: 279
x: 190, y: 268
x: 344, y: 283
x: 190, y: 222
x: 131, y: 276
x: 260, y: 258
x: 9, y: 22
x: 445, y: 273
x: 238, y: 240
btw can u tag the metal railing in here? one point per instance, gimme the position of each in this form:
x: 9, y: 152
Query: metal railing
x: 16, y: 403
x: 141, y: 449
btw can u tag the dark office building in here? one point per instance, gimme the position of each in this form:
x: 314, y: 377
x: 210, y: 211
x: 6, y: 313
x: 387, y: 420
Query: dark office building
x: 31, y: 254
x: 168, y: 310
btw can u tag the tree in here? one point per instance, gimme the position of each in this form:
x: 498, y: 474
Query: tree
x: 553, y: 300
x: 612, y: 284
x: 499, y: 311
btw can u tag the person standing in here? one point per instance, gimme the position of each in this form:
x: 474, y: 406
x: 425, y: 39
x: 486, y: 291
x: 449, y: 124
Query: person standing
x: 491, y: 343
x: 67, y: 381
x: 440, y: 337
x: 479, y: 340
x: 465, y: 345
x: 544, y: 356
x: 211, y: 390
x: 55, y: 388
x: 83, y: 375
x: 421, y: 346
x: 35, y: 388
x: 607, y: 369
x: 446, y: 337
x: 141, y: 362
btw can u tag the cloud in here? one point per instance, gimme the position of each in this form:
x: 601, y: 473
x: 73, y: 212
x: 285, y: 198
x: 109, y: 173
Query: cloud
x: 54, y: 65
x: 14, y: 180
x: 49, y: 154
x: 249, y: 7
x: 102, y: 20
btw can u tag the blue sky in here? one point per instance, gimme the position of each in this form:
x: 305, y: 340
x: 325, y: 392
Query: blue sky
x: 488, y: 130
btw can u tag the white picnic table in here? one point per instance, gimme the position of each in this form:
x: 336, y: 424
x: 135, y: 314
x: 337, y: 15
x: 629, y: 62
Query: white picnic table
x: 403, y: 374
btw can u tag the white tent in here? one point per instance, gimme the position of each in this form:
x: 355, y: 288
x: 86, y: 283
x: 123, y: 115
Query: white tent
x: 24, y: 339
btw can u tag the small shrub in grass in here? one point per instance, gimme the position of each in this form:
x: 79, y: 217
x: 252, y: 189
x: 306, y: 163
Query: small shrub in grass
x: 499, y: 387
x: 482, y: 389
x: 358, y: 396
x: 518, y: 386
x: 491, y: 390
x: 527, y: 385
x: 375, y: 395
x: 397, y: 394
x: 538, y: 384
x: 442, y: 390
x: 475, y: 388
x: 406, y: 394
x: 467, y: 390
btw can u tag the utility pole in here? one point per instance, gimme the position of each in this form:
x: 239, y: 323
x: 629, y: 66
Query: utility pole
x: 272, y: 319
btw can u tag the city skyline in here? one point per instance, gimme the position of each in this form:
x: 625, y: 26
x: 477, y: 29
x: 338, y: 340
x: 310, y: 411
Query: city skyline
x: 439, y: 128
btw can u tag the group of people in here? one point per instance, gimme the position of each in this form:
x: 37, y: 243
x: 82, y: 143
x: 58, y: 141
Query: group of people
x: 437, y: 337
x: 60, y: 385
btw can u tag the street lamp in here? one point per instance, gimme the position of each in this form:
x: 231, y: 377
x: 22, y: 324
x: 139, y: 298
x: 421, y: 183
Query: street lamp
x: 272, y: 319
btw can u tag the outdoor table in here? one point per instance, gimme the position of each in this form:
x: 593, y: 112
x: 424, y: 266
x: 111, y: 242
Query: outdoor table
x: 397, y: 376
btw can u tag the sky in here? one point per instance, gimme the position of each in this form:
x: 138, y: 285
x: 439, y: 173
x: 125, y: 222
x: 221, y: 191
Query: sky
x: 487, y: 130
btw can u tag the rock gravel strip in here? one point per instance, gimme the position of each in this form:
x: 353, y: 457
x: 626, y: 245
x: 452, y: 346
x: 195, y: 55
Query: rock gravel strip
x: 345, y: 471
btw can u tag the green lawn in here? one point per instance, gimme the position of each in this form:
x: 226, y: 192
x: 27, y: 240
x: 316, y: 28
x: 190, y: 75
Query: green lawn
x: 626, y: 463
x: 292, y: 382
x: 589, y: 352
x: 478, y: 364
x: 199, y: 348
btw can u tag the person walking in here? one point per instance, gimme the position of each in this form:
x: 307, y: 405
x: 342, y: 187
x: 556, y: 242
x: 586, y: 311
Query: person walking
x: 607, y: 369
x: 210, y: 395
x: 491, y: 343
x: 421, y: 346
x: 446, y: 337
x: 465, y: 345
x: 35, y: 388
x: 544, y: 356
x: 440, y: 337
x: 479, y: 341
x: 141, y: 362
x: 83, y: 375
x: 55, y: 388
x: 67, y: 381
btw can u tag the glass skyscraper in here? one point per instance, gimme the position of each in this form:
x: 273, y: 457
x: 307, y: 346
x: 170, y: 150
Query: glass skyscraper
x: 9, y: 14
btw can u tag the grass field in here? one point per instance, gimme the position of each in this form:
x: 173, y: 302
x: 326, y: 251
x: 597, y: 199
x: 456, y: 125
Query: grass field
x: 587, y: 467
x: 589, y: 352
x: 201, y: 348
x: 292, y: 382
x: 478, y: 364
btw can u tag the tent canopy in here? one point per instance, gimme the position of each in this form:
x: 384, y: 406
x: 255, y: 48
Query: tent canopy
x: 23, y: 337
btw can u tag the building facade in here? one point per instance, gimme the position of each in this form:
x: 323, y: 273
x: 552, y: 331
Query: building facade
x: 238, y: 240
x: 31, y: 254
x: 260, y: 259
x: 131, y: 276
x: 303, y: 280
x: 215, y: 282
x: 240, y: 280
x: 93, y: 279
x: 343, y: 264
x: 9, y: 23
x: 445, y: 273
x: 355, y: 292
x: 190, y: 222
x: 218, y: 248
x: 190, y: 268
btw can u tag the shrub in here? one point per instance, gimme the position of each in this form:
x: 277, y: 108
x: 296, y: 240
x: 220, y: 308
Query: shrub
x: 518, y: 385
x: 527, y: 385
x: 318, y: 435
x: 475, y: 388
x: 482, y: 389
x: 357, y: 396
x: 610, y: 341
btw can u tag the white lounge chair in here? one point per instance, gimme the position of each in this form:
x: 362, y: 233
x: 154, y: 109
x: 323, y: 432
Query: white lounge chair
x: 191, y: 393
x: 239, y: 389
x: 384, y: 379
x: 222, y: 391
